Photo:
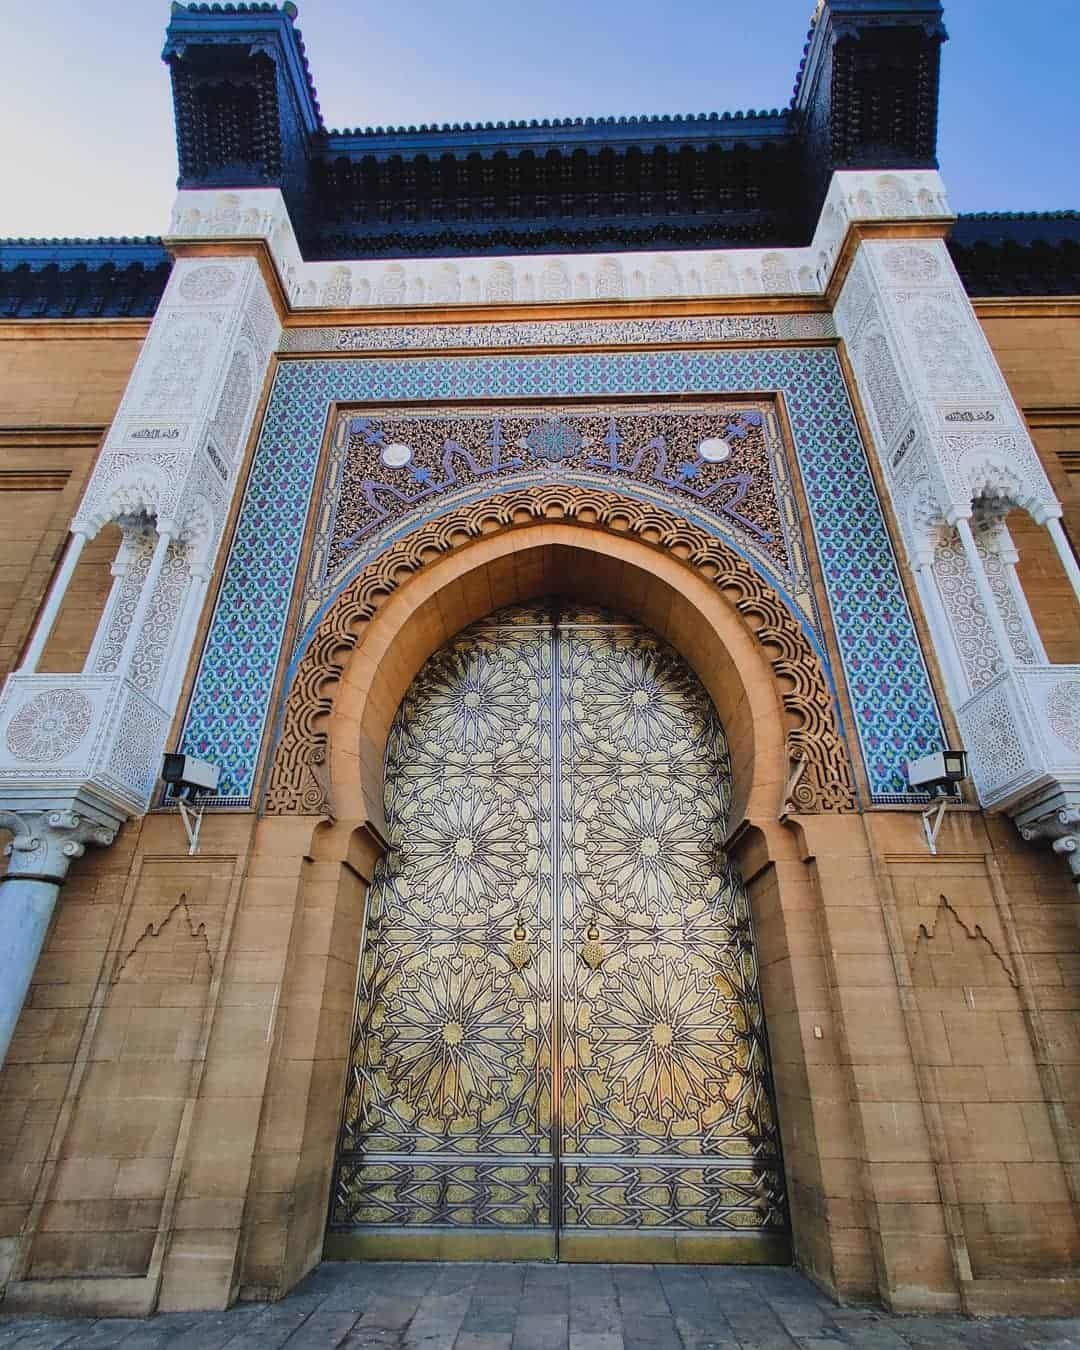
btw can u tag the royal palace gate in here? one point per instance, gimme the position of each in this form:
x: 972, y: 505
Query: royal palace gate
x: 559, y: 1046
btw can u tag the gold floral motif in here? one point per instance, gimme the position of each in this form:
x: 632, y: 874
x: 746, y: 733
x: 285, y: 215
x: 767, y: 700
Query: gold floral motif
x: 462, y: 844
x: 646, y: 843
x: 448, y: 1050
x: 473, y: 699
x: 635, y: 702
x: 664, y: 1041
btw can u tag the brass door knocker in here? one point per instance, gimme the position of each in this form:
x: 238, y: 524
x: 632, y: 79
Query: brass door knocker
x: 520, y: 953
x: 592, y: 953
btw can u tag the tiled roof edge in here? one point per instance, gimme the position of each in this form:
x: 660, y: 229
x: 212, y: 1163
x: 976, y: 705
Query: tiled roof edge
x: 559, y: 123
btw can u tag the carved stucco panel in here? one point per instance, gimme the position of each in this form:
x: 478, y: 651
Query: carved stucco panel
x: 1063, y: 712
x: 938, y: 333
x: 231, y: 415
x: 889, y: 401
x: 50, y: 726
x: 854, y: 304
x: 207, y: 284
x: 180, y: 360
x: 994, y: 737
x: 912, y: 263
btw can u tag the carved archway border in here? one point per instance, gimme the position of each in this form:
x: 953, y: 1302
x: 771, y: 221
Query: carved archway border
x: 822, y: 778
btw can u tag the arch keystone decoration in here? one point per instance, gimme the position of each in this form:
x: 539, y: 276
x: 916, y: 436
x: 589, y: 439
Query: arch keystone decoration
x: 298, y: 781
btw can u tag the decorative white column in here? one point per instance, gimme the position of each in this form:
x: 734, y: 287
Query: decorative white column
x: 1064, y: 552
x: 953, y: 446
x: 937, y: 620
x: 146, y: 595
x: 134, y: 532
x: 185, y: 633
x: 43, y: 847
x: 982, y: 586
x: 47, y: 619
x: 1000, y: 556
x: 79, y: 753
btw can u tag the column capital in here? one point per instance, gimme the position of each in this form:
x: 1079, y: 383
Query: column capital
x: 1043, y: 513
x: 1056, y: 819
x: 45, y: 843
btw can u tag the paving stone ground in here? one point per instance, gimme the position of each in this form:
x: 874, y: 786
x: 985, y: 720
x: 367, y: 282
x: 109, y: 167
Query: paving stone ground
x: 530, y: 1306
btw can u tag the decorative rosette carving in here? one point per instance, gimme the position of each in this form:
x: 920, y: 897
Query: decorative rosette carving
x: 50, y: 726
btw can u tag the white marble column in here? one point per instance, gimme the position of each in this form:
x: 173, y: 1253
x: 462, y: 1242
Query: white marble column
x: 43, y: 847
x: 47, y: 619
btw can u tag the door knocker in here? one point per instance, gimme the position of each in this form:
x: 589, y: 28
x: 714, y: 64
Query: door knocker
x: 520, y: 953
x: 592, y: 953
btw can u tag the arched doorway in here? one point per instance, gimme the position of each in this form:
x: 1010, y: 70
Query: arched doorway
x: 559, y: 1047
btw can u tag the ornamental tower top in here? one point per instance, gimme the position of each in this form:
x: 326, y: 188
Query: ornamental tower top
x: 247, y: 115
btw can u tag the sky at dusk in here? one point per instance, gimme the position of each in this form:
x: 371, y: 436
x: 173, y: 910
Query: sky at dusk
x: 85, y: 104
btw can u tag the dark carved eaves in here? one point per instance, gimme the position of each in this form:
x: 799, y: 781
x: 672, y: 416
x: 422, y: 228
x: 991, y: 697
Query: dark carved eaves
x: 568, y: 236
x: 1013, y: 254
x: 685, y: 196
x: 81, y: 278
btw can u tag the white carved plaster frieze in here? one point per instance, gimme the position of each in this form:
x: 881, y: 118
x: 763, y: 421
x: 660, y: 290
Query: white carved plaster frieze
x: 259, y: 213
x: 565, y: 332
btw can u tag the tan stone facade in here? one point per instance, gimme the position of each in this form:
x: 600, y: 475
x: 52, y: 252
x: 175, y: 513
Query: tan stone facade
x: 170, y: 1105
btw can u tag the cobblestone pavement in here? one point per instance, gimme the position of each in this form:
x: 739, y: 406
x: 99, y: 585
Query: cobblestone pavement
x: 407, y: 1306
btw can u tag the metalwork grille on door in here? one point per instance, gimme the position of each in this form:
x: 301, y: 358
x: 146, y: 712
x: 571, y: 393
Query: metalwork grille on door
x: 559, y: 1040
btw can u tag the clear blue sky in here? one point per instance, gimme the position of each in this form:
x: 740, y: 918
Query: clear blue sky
x: 87, y: 112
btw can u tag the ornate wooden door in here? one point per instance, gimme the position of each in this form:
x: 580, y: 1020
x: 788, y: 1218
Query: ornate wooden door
x: 559, y: 1045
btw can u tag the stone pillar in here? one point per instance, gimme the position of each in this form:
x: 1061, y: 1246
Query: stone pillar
x: 1000, y: 557
x: 43, y: 846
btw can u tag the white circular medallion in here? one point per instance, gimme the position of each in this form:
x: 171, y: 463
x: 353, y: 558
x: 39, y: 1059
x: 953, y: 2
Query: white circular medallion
x: 714, y: 450
x: 396, y: 456
x: 51, y: 726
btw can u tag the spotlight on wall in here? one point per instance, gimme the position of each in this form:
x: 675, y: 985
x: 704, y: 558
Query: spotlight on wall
x: 187, y: 778
x: 940, y: 774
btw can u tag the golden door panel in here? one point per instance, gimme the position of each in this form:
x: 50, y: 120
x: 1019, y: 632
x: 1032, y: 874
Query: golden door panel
x: 557, y: 786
